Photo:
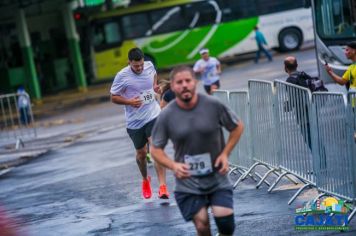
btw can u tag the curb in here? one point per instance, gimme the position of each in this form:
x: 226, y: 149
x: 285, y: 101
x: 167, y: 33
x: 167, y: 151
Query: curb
x: 19, y: 158
x: 10, y: 158
x: 45, y: 112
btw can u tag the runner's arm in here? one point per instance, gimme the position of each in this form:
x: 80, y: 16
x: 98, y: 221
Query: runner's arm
x: 234, y: 137
x: 117, y: 99
x: 218, y: 69
x: 180, y: 170
x: 155, y: 84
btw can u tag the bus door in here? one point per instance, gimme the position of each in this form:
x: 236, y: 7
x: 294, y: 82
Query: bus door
x: 108, y: 54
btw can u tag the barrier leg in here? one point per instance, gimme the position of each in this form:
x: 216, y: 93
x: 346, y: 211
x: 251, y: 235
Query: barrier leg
x: 259, y: 176
x: 264, y: 177
x: 319, y: 196
x: 292, y: 180
x: 276, y: 182
x: 19, y: 143
x: 298, y: 192
x: 232, y: 170
x: 237, y: 182
x: 249, y: 170
x: 351, y: 215
x: 242, y: 171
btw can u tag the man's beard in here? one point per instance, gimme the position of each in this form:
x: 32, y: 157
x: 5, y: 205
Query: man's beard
x: 186, y: 99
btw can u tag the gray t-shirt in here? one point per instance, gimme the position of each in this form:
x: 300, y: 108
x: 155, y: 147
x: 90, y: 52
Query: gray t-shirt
x: 193, y: 132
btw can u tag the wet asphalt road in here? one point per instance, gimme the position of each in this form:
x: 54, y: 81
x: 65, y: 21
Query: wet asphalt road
x: 92, y: 187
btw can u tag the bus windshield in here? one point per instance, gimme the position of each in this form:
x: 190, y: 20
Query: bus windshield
x: 335, y: 19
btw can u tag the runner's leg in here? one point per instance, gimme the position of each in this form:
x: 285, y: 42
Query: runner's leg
x: 161, y: 171
x: 222, y: 208
x: 201, y: 222
x: 148, y: 155
x: 141, y: 161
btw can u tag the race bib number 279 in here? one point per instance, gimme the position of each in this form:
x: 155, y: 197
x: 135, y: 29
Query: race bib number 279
x: 199, y: 165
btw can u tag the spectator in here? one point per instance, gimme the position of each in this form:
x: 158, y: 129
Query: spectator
x: 290, y: 67
x: 349, y: 77
x: 261, y: 41
x: 23, y: 105
x: 167, y: 94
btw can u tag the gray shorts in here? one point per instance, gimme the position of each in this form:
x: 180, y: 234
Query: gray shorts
x: 140, y: 136
x: 190, y: 204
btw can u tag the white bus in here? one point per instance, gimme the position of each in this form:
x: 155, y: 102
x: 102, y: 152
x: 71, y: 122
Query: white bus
x: 335, y: 25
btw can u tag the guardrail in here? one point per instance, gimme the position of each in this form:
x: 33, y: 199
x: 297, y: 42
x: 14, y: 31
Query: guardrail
x: 292, y: 132
x: 16, y: 119
x: 293, y: 118
x: 241, y: 155
x: 263, y: 133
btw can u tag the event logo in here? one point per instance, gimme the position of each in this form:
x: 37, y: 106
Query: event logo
x: 326, y: 214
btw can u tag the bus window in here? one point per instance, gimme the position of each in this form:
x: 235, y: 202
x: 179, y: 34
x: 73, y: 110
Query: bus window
x: 167, y: 20
x: 268, y: 6
x: 106, y: 34
x: 334, y: 19
x: 135, y: 25
x: 203, y: 11
x: 233, y: 10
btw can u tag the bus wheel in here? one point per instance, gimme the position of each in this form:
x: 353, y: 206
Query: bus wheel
x: 290, y: 39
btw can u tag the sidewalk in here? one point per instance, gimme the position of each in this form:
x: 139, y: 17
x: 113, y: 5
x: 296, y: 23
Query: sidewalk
x: 51, y: 106
x: 70, y: 99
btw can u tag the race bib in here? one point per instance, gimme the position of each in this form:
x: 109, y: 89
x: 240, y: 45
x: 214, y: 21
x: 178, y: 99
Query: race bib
x: 211, y: 75
x: 199, y: 165
x: 147, y: 96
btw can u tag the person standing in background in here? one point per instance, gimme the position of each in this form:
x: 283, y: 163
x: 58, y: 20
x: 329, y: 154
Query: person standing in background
x: 349, y: 77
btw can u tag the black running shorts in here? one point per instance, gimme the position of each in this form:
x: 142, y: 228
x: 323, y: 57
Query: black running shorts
x: 140, y: 136
x: 190, y: 204
x: 208, y: 87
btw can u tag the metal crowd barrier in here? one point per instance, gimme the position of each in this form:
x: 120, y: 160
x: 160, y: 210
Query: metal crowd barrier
x: 334, y: 157
x: 263, y: 129
x: 293, y: 132
x: 352, y: 108
x: 352, y: 121
x: 16, y: 119
x: 222, y: 95
x: 293, y: 105
x: 241, y: 157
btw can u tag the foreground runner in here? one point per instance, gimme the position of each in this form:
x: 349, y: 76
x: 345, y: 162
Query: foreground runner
x: 194, y: 124
x: 133, y: 87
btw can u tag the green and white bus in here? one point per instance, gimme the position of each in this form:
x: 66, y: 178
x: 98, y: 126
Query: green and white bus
x: 172, y: 32
x: 335, y: 25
